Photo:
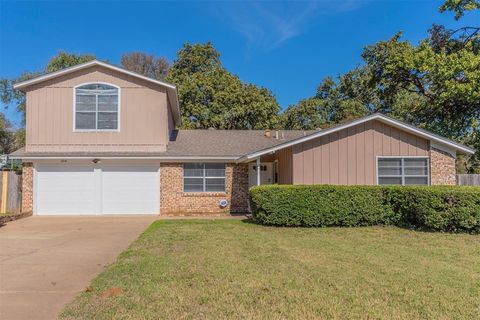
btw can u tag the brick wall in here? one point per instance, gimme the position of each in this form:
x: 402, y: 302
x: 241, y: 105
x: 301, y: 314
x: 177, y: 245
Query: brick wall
x: 442, y: 168
x: 27, y: 187
x: 174, y: 201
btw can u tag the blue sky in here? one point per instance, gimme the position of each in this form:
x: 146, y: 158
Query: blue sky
x: 288, y: 47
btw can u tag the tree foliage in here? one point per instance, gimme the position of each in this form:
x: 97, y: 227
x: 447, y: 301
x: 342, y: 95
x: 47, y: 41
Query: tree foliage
x: 346, y: 98
x: 7, y: 136
x: 65, y: 60
x: 459, y: 6
x: 212, y: 97
x: 146, y: 64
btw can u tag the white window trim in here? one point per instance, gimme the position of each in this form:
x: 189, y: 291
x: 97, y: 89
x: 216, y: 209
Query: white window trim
x: 204, y: 178
x: 75, y: 108
x: 403, y: 176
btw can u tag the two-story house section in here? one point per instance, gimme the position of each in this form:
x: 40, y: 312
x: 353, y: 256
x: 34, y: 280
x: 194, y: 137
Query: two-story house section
x: 90, y: 132
x: 104, y: 140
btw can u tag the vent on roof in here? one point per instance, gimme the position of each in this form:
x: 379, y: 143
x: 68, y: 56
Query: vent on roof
x: 268, y: 133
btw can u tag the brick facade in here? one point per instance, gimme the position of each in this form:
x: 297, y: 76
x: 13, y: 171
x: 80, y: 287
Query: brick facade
x: 174, y: 201
x: 27, y: 187
x: 442, y: 168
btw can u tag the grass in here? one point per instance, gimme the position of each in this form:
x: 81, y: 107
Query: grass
x: 219, y: 269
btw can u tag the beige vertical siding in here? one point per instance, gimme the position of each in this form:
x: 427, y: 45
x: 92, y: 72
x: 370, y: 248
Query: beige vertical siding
x: 348, y: 157
x: 285, y: 165
x: 144, y: 115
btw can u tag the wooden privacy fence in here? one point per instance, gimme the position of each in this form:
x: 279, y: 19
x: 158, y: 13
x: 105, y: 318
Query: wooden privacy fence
x: 11, y: 192
x: 468, y: 179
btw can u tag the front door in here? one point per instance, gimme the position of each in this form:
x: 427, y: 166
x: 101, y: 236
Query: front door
x: 266, y: 173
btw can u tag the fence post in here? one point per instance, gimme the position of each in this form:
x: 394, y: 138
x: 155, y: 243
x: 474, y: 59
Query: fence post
x: 3, y: 207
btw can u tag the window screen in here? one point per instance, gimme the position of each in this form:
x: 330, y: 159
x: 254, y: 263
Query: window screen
x: 204, y: 177
x: 96, y: 107
x: 402, y: 171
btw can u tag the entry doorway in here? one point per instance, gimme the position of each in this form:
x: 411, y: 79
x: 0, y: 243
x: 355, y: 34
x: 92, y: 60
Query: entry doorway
x: 266, y: 173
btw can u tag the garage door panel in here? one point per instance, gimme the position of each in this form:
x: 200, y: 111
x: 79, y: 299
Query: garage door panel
x: 68, y: 208
x: 130, y: 190
x: 65, y: 190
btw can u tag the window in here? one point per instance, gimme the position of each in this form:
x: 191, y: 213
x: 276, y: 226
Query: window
x: 402, y: 171
x: 96, y: 107
x: 262, y: 168
x: 204, y: 177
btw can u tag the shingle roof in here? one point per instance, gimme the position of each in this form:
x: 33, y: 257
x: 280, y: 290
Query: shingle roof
x: 227, y: 142
x: 196, y: 143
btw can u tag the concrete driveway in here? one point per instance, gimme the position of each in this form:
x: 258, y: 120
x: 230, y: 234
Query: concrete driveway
x: 46, y: 261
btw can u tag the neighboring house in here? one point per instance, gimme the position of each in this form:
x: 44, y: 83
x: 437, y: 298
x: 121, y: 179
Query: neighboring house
x: 103, y: 140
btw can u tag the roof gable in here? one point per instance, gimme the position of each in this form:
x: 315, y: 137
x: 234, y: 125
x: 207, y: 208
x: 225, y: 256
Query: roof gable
x: 171, y: 89
x: 377, y: 116
x: 51, y: 75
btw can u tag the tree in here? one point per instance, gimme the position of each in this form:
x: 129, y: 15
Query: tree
x: 459, y: 7
x: 445, y: 79
x: 307, y: 114
x: 65, y: 60
x: 7, y: 136
x: 9, y: 96
x: 335, y: 102
x: 148, y: 65
x: 211, y: 97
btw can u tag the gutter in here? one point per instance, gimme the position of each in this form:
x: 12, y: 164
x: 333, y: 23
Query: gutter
x: 171, y: 159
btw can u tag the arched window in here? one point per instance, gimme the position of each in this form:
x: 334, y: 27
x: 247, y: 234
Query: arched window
x: 96, y: 107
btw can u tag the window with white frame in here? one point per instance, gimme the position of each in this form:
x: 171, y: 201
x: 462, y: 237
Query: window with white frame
x: 204, y: 177
x: 96, y: 107
x: 402, y: 171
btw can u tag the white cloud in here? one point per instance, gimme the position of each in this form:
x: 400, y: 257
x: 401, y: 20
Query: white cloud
x: 269, y: 24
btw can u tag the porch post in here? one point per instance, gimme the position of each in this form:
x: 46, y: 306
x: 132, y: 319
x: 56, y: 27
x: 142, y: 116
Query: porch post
x: 258, y: 171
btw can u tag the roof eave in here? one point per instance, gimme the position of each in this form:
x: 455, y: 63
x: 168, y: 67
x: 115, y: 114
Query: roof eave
x: 24, y: 84
x: 91, y: 157
x: 425, y: 134
x: 173, y: 97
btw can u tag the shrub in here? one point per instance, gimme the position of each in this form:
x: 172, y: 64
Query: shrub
x: 434, y: 208
x: 437, y: 207
x: 320, y: 205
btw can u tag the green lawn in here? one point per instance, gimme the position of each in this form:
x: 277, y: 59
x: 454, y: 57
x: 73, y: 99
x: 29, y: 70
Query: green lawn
x: 219, y: 269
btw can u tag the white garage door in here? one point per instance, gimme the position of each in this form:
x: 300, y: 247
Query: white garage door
x: 130, y: 190
x: 65, y: 190
x: 77, y: 190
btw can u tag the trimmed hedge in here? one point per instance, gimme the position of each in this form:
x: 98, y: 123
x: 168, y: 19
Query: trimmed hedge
x: 441, y: 208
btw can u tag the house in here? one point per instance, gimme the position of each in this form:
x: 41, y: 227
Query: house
x: 103, y: 140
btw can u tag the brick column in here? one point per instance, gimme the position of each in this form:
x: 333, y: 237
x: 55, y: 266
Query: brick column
x: 27, y: 187
x: 442, y: 168
x: 239, y: 188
